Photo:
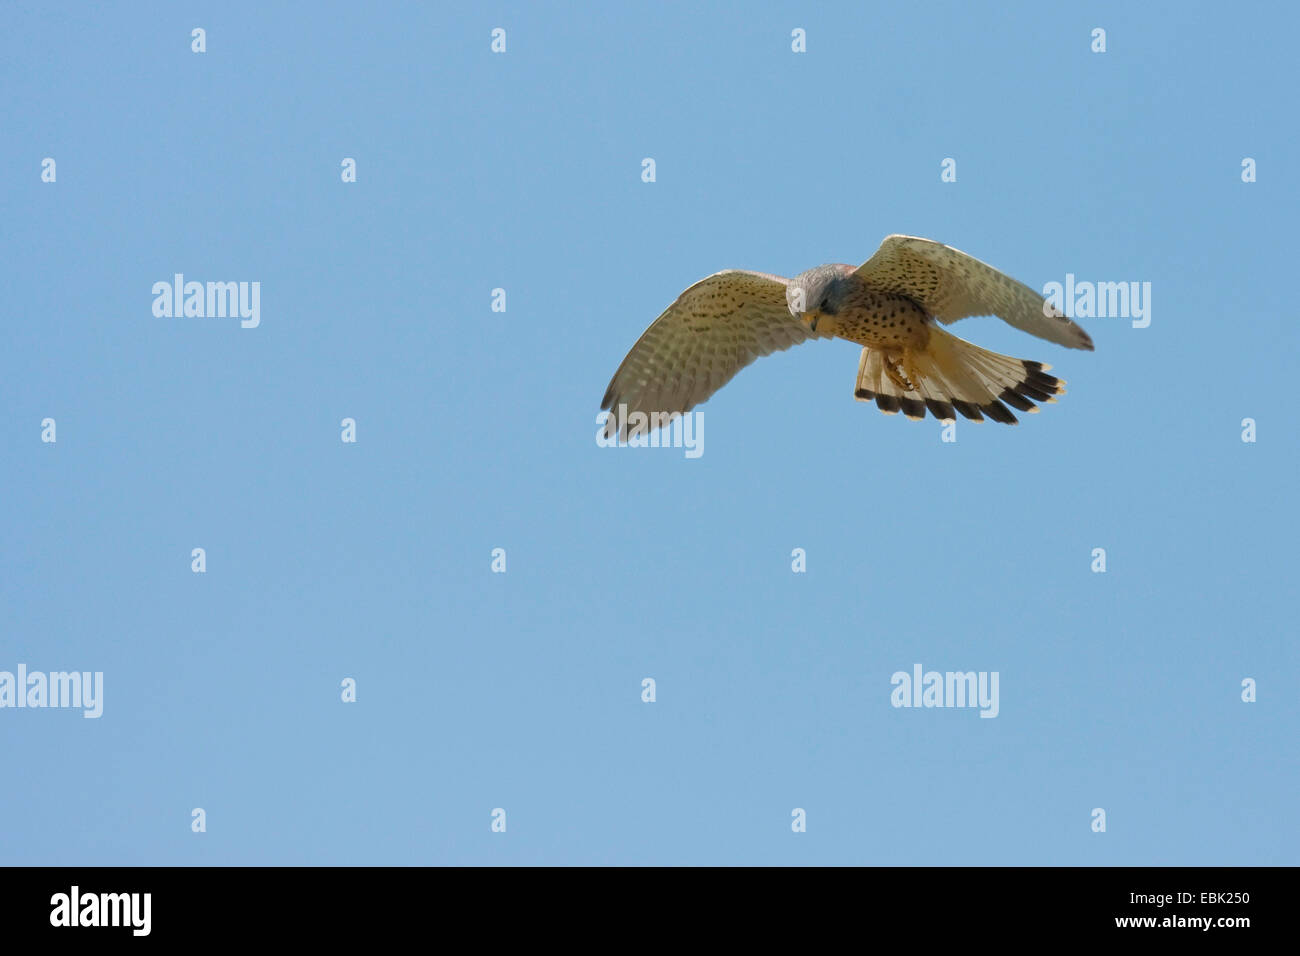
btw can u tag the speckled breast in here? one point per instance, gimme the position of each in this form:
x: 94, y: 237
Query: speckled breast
x: 882, y: 320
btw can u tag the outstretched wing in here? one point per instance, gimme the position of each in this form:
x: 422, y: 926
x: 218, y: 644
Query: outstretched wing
x: 951, y: 285
x: 713, y: 330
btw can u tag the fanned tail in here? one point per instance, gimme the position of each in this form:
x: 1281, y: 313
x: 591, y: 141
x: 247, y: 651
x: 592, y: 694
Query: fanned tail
x: 952, y: 376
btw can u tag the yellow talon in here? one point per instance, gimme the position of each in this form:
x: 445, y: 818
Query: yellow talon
x: 910, y: 371
x: 905, y: 377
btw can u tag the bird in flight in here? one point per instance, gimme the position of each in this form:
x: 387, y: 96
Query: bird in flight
x: 891, y: 305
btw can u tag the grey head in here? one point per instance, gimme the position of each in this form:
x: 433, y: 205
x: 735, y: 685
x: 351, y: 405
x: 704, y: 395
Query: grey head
x: 817, y: 292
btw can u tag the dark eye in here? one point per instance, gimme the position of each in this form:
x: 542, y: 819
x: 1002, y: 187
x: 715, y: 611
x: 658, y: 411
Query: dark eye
x: 825, y: 307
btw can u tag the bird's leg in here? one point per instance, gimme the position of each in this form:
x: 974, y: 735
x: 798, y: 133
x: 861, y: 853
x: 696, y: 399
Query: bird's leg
x: 909, y: 370
x: 896, y: 375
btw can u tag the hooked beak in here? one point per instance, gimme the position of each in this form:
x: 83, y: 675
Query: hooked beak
x: 813, y: 318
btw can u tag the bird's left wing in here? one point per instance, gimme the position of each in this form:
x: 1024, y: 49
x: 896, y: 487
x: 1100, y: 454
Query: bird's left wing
x: 951, y: 285
x: 713, y: 330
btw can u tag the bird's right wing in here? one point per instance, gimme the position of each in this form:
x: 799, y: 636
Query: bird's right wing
x: 713, y: 330
x: 951, y: 285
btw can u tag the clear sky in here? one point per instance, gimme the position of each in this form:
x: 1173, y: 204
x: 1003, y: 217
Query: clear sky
x: 475, y: 430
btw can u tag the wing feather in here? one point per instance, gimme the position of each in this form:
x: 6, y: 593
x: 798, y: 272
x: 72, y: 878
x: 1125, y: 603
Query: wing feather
x: 714, y: 329
x: 951, y: 285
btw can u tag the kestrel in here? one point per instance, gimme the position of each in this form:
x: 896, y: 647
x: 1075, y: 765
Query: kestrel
x: 891, y: 305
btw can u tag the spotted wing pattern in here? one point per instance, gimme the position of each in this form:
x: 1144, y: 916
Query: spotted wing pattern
x: 951, y: 285
x: 713, y: 330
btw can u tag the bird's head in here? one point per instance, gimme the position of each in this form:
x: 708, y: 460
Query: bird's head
x: 816, y: 293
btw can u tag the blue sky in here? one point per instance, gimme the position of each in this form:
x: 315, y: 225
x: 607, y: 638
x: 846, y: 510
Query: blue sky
x: 476, y: 430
